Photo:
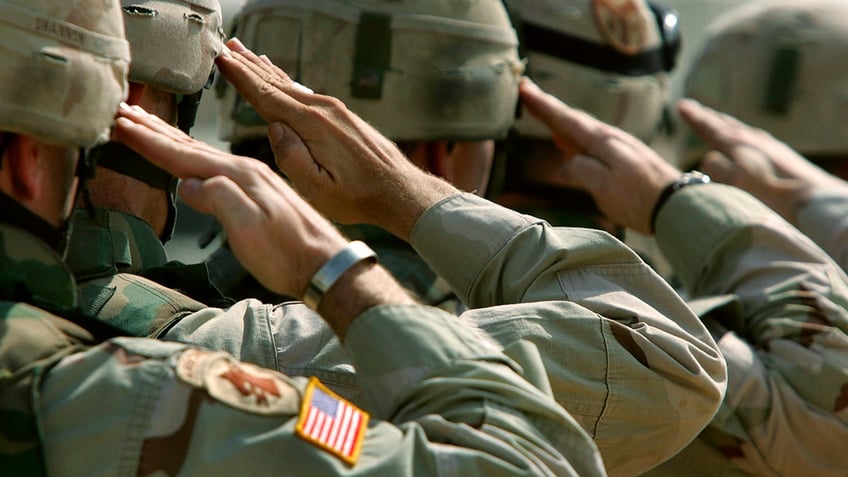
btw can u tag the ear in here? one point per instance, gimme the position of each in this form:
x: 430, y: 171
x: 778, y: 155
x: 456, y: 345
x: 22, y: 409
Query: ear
x: 466, y: 165
x: 24, y: 175
x: 439, y: 159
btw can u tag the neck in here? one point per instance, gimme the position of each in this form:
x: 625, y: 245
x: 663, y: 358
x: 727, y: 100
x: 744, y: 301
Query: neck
x: 19, y: 216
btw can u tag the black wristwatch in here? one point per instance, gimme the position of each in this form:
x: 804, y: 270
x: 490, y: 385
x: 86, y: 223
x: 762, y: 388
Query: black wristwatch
x: 686, y: 179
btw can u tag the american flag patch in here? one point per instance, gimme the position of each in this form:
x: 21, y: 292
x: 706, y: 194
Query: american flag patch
x: 331, y: 423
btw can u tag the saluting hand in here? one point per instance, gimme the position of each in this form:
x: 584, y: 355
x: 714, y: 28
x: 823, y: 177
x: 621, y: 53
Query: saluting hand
x: 623, y: 175
x: 274, y: 233
x: 754, y: 160
x: 351, y: 172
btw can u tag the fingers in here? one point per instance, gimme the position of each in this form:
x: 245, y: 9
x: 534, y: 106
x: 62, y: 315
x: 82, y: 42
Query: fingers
x: 717, y: 129
x: 266, y: 87
x: 181, y: 156
x: 287, y: 146
x: 565, y: 122
x: 138, y: 115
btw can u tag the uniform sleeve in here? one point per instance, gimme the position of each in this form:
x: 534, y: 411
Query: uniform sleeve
x: 624, y: 354
x: 786, y: 408
x: 445, y: 403
x: 288, y: 337
x: 824, y: 218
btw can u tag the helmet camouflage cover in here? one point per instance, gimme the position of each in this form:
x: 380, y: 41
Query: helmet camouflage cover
x: 415, y: 69
x: 64, y: 69
x: 174, y: 42
x: 794, y: 83
x: 610, y: 58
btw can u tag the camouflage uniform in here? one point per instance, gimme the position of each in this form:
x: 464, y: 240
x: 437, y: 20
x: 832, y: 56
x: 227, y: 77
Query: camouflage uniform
x: 131, y: 406
x: 613, y: 336
x: 606, y: 351
x: 777, y: 306
x: 631, y: 355
x: 135, y: 406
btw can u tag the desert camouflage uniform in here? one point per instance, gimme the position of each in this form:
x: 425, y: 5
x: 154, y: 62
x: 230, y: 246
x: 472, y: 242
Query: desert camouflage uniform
x: 597, y: 313
x: 578, y: 296
x: 777, y: 306
x: 133, y: 406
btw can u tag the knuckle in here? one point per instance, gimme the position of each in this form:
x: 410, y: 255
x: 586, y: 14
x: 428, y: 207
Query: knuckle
x: 267, y: 88
x: 332, y: 104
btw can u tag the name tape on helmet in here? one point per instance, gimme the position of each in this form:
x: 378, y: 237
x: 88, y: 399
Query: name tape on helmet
x: 96, y: 43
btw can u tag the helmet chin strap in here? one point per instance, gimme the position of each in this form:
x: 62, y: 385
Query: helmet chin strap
x: 123, y: 160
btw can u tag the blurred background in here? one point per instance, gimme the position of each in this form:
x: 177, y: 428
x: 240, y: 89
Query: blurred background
x: 695, y: 15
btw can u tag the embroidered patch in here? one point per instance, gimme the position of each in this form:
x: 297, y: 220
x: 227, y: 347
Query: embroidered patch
x: 239, y: 385
x: 621, y: 24
x: 331, y: 423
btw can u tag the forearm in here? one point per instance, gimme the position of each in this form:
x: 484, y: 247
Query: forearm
x: 623, y: 338
x: 721, y: 240
x: 413, y: 193
x: 785, y: 341
x: 416, y: 362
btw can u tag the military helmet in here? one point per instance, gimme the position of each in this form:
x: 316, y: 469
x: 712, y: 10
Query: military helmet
x: 174, y: 42
x: 610, y: 58
x: 778, y: 65
x: 64, y: 69
x: 415, y: 69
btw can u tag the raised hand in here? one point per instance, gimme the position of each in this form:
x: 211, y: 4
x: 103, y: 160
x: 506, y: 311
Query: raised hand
x: 624, y: 176
x: 351, y: 173
x: 753, y: 160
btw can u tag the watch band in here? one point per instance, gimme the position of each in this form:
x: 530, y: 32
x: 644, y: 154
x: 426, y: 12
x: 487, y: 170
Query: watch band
x: 686, y: 179
x: 353, y: 253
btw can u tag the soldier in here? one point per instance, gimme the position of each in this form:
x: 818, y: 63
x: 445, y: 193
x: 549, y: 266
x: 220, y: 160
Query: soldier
x: 775, y: 302
x: 793, y: 86
x: 514, y: 271
x: 173, y: 44
x: 611, y: 59
x: 75, y: 402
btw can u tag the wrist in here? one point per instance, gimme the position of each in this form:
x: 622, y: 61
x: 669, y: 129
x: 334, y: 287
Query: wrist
x: 686, y: 179
x: 404, y: 210
x: 333, y: 269
x: 360, y: 288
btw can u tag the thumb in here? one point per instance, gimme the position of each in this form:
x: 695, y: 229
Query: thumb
x: 584, y: 172
x: 717, y: 166
x: 218, y: 196
x: 289, y: 149
x: 189, y: 192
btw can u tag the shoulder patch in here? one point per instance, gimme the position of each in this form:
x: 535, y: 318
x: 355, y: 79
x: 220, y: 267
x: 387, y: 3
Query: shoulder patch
x: 239, y: 385
x: 331, y: 423
x: 621, y: 24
